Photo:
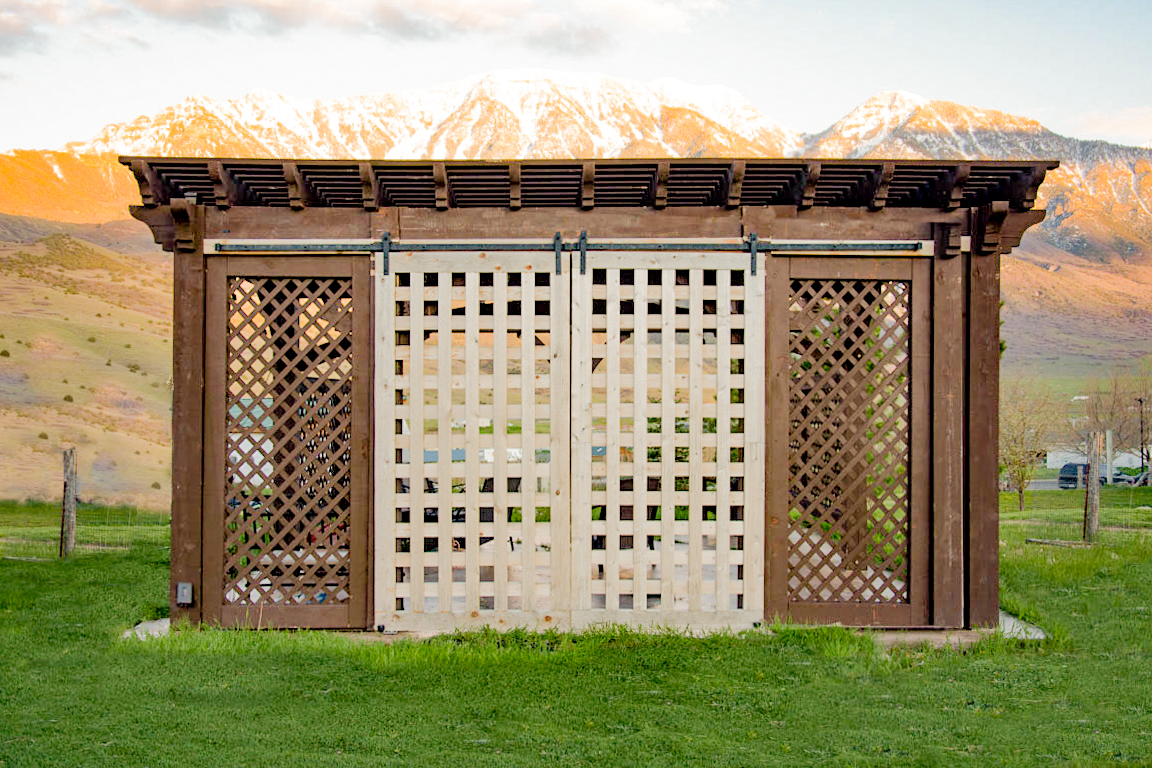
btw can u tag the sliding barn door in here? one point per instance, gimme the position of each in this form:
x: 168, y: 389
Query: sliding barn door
x: 668, y: 440
x: 286, y: 472
x: 472, y: 441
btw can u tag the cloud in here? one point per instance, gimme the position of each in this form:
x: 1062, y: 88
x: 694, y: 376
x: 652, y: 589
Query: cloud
x: 23, y: 24
x: 579, y: 26
x: 1131, y: 125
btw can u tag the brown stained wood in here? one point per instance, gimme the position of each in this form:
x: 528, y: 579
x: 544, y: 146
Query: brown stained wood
x: 1025, y: 187
x: 735, y: 182
x: 588, y: 186
x: 213, y: 448
x: 370, y: 192
x: 921, y: 449
x: 152, y: 191
x: 953, y: 192
x: 514, y: 186
x: 880, y: 191
x: 440, y: 177
x: 224, y: 189
x: 1015, y: 224
x: 297, y: 186
x: 360, y: 603
x: 947, y: 437
x: 68, y: 505
x: 777, y: 376
x: 660, y: 196
x: 807, y: 192
x: 187, y: 408
x: 541, y: 223
x: 981, y: 434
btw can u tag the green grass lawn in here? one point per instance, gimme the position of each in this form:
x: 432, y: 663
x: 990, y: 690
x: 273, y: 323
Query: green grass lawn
x: 1119, y: 506
x: 73, y: 693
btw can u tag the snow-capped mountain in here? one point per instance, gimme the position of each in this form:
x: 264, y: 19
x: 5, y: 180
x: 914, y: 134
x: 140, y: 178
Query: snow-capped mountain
x: 1099, y: 200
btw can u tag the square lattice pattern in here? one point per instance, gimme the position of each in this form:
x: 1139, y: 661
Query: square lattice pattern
x: 288, y: 417
x: 849, y: 441
x: 472, y: 431
x: 672, y: 356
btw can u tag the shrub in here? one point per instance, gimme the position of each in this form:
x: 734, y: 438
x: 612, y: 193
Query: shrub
x: 156, y: 486
x: 4, y: 353
x: 43, y: 435
x: 109, y: 363
x: 91, y: 338
x: 67, y: 398
x: 127, y: 346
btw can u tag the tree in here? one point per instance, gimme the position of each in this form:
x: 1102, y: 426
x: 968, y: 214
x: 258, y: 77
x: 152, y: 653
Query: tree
x: 1029, y: 418
x: 1112, y: 406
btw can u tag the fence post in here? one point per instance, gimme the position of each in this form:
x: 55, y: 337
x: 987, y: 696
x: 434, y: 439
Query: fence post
x: 1092, y: 493
x: 68, y: 505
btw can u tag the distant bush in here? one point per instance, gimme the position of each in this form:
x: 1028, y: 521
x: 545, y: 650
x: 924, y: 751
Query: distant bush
x: 67, y: 398
x: 156, y: 486
x: 127, y: 346
x: 109, y: 363
x: 4, y: 353
x: 92, y: 338
x: 43, y: 435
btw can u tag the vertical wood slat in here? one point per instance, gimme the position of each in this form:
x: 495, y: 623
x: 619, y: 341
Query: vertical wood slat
x: 500, y: 436
x: 920, y: 475
x: 472, y: 440
x: 215, y: 369
x: 947, y: 436
x: 755, y: 436
x: 581, y: 459
x: 444, y: 441
x: 612, y: 444
x: 415, y: 439
x: 695, y: 439
x: 385, y: 448
x: 360, y: 556
x: 528, y: 443
x: 561, y: 463
x: 188, y: 322
x: 641, y: 554
x: 982, y: 431
x: 723, y: 437
x: 667, y: 440
x: 777, y: 377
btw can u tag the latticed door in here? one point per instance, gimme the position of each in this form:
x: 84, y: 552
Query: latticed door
x: 286, y: 450
x: 848, y: 473
x: 472, y: 441
x: 668, y: 439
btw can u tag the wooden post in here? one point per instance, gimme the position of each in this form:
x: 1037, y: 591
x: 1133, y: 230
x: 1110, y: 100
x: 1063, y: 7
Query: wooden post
x: 68, y: 505
x: 1092, y: 493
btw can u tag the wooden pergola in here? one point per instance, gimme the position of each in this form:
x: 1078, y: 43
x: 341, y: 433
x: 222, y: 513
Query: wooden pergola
x: 417, y: 396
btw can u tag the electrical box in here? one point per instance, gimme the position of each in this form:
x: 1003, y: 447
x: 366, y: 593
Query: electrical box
x: 184, y: 593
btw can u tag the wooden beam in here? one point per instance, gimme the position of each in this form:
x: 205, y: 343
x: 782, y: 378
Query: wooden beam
x: 224, y: 187
x: 1024, y: 187
x: 881, y: 183
x: 370, y: 192
x: 153, y: 191
x: 953, y: 192
x: 735, y: 182
x: 297, y: 191
x: 514, y: 186
x: 660, y: 197
x: 588, y: 186
x: 440, y: 176
x: 807, y: 196
x: 1016, y: 223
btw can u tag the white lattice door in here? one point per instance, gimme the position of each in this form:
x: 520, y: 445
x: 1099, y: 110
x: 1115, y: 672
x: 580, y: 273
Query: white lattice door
x: 472, y: 441
x: 668, y: 440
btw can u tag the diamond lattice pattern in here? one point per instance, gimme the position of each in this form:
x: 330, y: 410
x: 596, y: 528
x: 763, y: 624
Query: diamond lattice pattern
x: 288, y: 432
x: 849, y: 441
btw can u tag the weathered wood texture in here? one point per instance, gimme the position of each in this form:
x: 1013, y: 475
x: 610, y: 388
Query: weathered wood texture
x: 68, y: 505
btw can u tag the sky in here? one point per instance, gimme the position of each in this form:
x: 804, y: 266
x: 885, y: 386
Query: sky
x: 1083, y: 69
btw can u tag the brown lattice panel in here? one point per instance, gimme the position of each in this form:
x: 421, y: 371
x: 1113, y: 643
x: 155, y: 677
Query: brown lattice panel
x: 473, y: 436
x: 288, y: 422
x: 849, y: 441
x: 667, y: 475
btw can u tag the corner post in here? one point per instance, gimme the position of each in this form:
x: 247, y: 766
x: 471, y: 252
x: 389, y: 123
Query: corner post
x: 187, y: 408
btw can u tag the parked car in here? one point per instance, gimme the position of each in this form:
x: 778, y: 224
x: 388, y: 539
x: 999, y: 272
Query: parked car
x: 1068, y: 476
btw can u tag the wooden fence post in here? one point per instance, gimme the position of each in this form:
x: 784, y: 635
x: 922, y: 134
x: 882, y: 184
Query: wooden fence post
x: 68, y: 505
x: 1092, y: 493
